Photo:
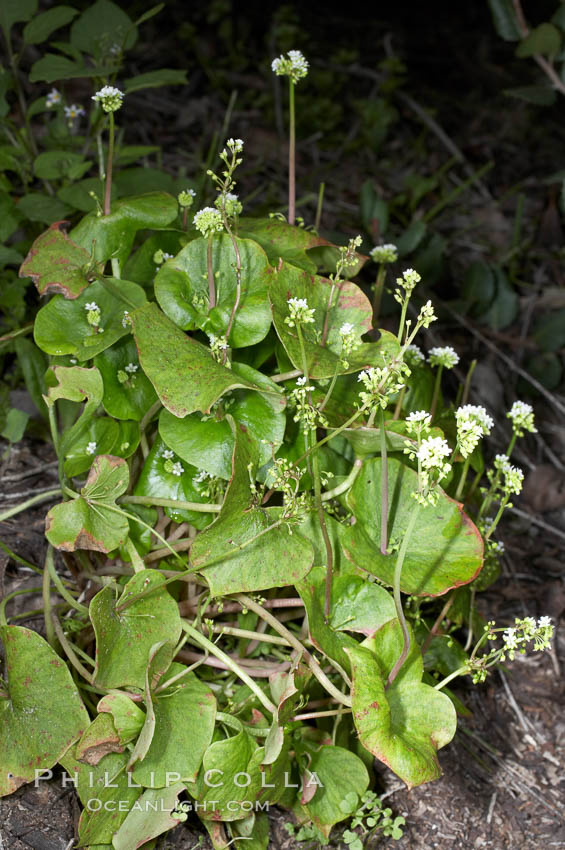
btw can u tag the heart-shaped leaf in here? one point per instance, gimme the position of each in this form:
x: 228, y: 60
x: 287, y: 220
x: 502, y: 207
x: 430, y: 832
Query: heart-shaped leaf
x: 92, y: 521
x: 185, y: 716
x: 445, y: 549
x: 42, y: 714
x: 124, y: 638
x: 111, y: 236
x: 185, y: 375
x: 207, y: 442
x: 62, y: 327
x: 248, y: 548
x: 334, y: 306
x: 405, y: 724
x: 334, y: 773
x: 57, y: 264
x: 182, y: 290
x: 128, y: 393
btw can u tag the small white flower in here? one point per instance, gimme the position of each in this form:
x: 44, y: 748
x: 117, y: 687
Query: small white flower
x: 131, y: 368
x: 53, y: 98
x: 510, y: 639
x: 418, y: 417
x: 544, y: 622
x: 125, y: 319
x: 413, y: 355
x: 91, y: 305
x: 426, y: 315
x: 168, y: 454
x: 445, y: 356
x: 300, y: 382
x: 300, y: 312
x: 432, y: 452
x: 186, y: 198
x: 109, y: 97
x: 177, y: 469
x: 91, y: 448
x: 346, y: 328
x: 235, y: 145
x: 73, y: 111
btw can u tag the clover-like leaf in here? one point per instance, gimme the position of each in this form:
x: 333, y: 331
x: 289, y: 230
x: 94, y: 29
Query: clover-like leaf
x: 62, y: 327
x: 182, y: 291
x: 92, y: 521
x: 246, y: 548
x: 57, y: 264
x: 124, y: 637
x: 185, y: 375
x: 184, y: 724
x: 111, y: 236
x: 405, y: 724
x: 334, y: 305
x: 445, y: 549
x: 41, y: 712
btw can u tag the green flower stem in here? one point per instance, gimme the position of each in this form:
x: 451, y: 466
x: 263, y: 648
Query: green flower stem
x: 10, y: 596
x: 397, y: 598
x: 35, y: 500
x: 313, y: 715
x: 251, y: 605
x: 46, y: 594
x: 210, y: 647
x: 496, y: 520
x: 54, y: 430
x: 461, y: 485
x: 467, y: 387
x: 236, y: 724
x: 346, y: 484
x: 286, y: 376
x: 333, y: 434
x: 247, y: 634
x: 136, y: 559
x: 68, y: 597
x: 511, y: 444
x: 238, y: 279
x: 330, y: 388
x: 211, y: 281
x: 69, y: 651
x: 437, y: 387
x: 378, y: 293
x: 23, y: 331
x: 291, y: 154
x: 110, y: 161
x: 384, y: 488
x: 154, y: 501
x: 439, y: 620
x: 18, y: 558
x: 155, y: 408
x: 461, y: 671
x: 399, y: 403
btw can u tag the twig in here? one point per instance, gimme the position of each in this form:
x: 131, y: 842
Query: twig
x: 539, y: 522
x: 38, y: 470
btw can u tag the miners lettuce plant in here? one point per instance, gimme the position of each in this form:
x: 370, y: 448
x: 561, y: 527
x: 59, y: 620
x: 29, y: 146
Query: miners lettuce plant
x: 260, y: 503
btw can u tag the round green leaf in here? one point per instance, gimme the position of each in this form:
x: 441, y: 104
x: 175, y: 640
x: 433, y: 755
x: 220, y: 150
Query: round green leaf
x: 128, y: 393
x: 348, y: 305
x: 102, y: 25
x: 181, y: 288
x: 53, y: 165
x: 61, y: 326
x: 339, y: 772
x: 111, y: 236
x: 43, y: 713
x: 445, y: 549
x: 185, y: 717
x: 156, y: 481
x: 403, y: 725
x: 56, y: 264
x: 124, y: 639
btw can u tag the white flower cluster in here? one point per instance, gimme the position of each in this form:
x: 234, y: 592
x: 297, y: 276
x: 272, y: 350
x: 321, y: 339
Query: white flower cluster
x: 208, y: 220
x: 513, y: 476
x: 300, y: 312
x: 109, y: 97
x: 218, y: 346
x: 380, y: 383
x: 426, y: 315
x: 93, y: 316
x: 432, y: 468
x: 473, y: 422
x: 229, y: 202
x: 418, y: 421
x: 186, y: 198
x: 306, y: 414
x: 349, y: 343
x: 235, y: 145
x: 293, y: 65
x: 384, y: 254
x: 413, y: 355
x: 407, y: 282
x: 522, y: 416
x: 444, y: 356
x: 525, y: 630
x: 91, y: 448
x: 53, y: 98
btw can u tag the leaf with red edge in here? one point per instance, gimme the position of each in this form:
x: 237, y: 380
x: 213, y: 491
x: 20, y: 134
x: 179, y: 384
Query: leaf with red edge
x: 57, y: 264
